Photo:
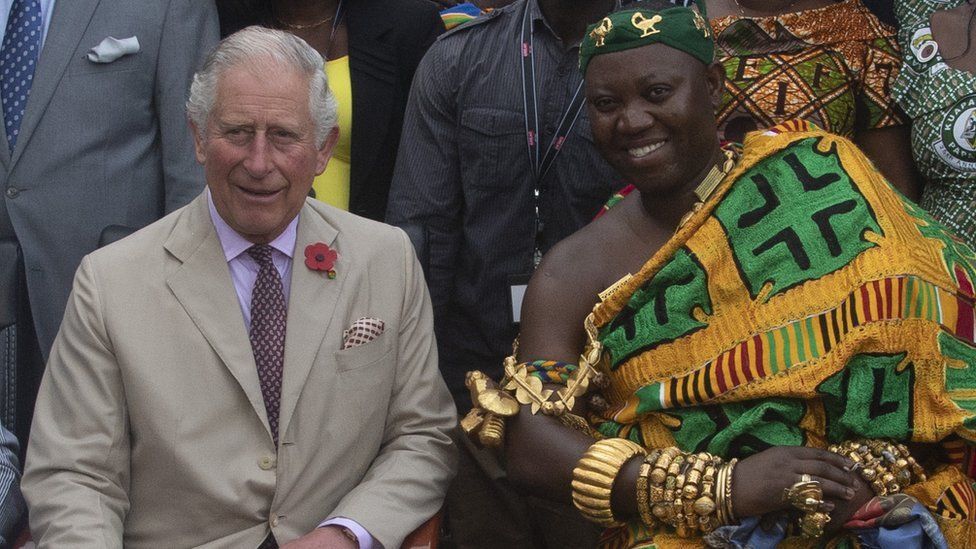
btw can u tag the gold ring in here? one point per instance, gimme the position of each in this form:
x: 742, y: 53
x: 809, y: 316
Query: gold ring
x: 805, y: 478
x: 806, y: 496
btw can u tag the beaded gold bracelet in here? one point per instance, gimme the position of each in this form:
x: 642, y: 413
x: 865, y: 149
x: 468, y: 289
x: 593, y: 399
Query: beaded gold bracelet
x: 887, y: 467
x: 643, y: 490
x: 594, y: 475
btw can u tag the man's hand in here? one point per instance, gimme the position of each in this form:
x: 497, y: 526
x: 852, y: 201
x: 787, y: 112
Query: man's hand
x: 327, y: 537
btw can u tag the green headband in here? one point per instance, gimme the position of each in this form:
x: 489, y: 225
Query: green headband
x: 681, y: 28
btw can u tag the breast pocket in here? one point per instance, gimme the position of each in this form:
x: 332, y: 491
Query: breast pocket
x: 493, y: 148
x: 364, y: 356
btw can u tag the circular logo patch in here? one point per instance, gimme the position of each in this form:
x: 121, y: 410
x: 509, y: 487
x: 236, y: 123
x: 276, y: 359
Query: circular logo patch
x: 958, y: 135
x: 964, y: 130
x: 923, y: 46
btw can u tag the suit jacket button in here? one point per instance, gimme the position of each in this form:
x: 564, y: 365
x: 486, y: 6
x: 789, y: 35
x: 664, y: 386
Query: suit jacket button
x: 266, y: 463
x: 12, y: 192
x: 274, y: 522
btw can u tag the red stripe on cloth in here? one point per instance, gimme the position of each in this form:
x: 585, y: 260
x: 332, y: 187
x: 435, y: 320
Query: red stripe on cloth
x: 746, y: 370
x: 865, y: 300
x: 720, y: 374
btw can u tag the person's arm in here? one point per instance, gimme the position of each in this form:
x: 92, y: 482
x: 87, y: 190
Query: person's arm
x: 407, y: 481
x: 425, y: 195
x: 883, y: 131
x: 12, y: 504
x: 77, y: 471
x: 552, y: 329
x: 890, y: 149
x: 190, y: 29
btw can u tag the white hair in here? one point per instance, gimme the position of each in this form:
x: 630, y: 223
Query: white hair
x: 259, y: 44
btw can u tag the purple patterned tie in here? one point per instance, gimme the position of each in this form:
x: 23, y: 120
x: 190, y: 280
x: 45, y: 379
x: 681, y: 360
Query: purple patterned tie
x: 268, y: 314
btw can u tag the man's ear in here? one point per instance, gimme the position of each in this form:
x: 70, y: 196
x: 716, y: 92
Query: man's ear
x: 715, y: 77
x: 197, y: 142
x: 325, y: 151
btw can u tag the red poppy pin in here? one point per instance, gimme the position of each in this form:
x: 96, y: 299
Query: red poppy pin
x: 320, y: 257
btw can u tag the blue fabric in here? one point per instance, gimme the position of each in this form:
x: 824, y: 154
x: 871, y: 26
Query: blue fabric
x: 921, y: 532
x: 748, y: 534
x: 466, y: 8
x: 18, y: 58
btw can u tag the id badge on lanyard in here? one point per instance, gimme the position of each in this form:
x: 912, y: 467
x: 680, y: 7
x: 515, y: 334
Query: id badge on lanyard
x: 541, y: 163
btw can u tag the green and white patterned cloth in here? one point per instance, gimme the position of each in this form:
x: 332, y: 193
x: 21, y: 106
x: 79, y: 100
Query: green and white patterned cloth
x: 941, y: 102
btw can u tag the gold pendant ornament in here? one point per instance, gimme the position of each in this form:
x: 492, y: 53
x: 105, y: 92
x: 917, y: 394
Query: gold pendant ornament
x: 486, y: 419
x: 806, y: 496
x: 701, y: 25
x: 599, y: 34
x: 708, y: 185
x: 644, y: 24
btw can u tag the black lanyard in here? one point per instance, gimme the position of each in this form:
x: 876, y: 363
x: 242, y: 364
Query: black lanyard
x: 541, y: 166
x: 336, y: 21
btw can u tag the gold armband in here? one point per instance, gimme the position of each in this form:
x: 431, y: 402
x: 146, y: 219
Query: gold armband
x: 528, y: 389
x: 485, y: 423
x: 594, y: 475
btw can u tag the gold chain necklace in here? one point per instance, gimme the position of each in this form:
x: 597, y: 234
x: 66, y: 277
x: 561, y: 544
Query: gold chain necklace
x: 709, y: 184
x: 300, y: 26
x: 295, y: 26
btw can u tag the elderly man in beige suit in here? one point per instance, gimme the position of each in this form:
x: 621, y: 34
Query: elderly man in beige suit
x: 255, y: 368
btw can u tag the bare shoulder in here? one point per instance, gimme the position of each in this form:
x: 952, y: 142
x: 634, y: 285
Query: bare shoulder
x: 565, y: 288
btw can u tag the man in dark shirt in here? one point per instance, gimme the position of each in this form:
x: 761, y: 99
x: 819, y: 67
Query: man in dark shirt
x: 496, y: 164
x: 464, y: 181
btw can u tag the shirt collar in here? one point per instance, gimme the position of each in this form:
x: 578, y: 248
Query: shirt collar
x: 538, y: 18
x: 234, y: 244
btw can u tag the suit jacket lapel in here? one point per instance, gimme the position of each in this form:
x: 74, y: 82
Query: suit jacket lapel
x: 311, y: 307
x: 373, y: 74
x: 204, y: 288
x: 68, y: 24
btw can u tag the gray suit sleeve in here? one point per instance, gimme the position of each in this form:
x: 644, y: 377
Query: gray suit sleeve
x: 407, y: 481
x: 425, y: 196
x: 11, y: 501
x: 189, y: 31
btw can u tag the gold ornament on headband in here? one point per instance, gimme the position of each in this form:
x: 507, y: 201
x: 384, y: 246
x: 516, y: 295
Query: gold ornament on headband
x: 599, y: 34
x: 645, y: 24
x: 701, y: 25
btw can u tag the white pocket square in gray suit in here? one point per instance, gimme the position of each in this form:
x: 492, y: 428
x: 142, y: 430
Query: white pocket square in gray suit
x: 112, y: 48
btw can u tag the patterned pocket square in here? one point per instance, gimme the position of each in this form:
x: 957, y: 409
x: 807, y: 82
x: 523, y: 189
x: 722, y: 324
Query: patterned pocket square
x: 361, y: 332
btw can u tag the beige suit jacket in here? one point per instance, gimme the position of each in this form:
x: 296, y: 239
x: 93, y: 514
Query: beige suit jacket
x: 150, y: 429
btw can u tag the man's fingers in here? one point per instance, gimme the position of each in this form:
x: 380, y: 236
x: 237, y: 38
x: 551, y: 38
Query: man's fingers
x: 835, y: 490
x: 823, y: 469
x: 837, y: 460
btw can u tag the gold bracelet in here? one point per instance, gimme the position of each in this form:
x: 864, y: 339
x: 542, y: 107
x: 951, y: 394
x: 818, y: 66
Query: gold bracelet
x: 723, y: 493
x: 644, y: 494
x: 887, y: 467
x: 594, y: 475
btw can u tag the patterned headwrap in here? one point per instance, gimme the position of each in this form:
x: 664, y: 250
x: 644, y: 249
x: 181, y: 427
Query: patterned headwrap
x: 681, y: 28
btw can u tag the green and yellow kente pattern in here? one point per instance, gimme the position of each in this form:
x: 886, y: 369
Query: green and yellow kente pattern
x: 807, y: 303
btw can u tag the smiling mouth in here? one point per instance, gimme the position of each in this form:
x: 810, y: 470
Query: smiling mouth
x: 259, y: 192
x: 640, y: 152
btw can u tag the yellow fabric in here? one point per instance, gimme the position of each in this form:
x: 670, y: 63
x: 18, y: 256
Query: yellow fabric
x: 332, y: 187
